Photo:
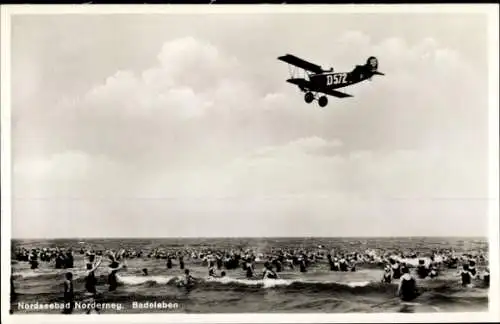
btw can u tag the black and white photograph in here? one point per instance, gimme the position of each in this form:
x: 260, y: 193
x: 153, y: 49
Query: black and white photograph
x: 250, y: 160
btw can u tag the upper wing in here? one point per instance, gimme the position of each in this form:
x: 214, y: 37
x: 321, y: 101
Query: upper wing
x: 294, y: 60
x: 335, y: 93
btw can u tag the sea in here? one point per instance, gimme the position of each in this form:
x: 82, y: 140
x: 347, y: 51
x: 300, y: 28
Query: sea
x: 318, y: 290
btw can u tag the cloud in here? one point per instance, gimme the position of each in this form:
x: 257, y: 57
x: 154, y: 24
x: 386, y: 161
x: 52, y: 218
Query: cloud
x: 71, y: 175
x: 313, y: 166
x: 197, y: 90
x: 199, y: 125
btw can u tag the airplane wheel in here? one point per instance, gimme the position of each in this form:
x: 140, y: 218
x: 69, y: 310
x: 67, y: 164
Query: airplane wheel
x: 309, y: 97
x: 323, y: 101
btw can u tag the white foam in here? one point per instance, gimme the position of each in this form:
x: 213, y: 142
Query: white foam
x: 358, y: 284
x: 266, y: 283
x: 36, y: 273
x: 138, y: 280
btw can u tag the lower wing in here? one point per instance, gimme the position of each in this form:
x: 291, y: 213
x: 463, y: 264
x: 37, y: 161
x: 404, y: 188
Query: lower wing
x: 335, y: 93
x: 306, y: 85
x: 301, y: 83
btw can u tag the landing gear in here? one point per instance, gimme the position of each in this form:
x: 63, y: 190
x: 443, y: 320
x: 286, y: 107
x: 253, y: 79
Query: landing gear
x: 311, y: 96
x: 323, y: 101
x: 308, y: 97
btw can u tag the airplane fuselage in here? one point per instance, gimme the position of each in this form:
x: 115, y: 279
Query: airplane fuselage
x: 335, y: 80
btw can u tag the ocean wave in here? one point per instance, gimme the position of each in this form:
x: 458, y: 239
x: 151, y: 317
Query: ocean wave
x: 235, y: 282
x: 141, y: 280
x: 38, y: 274
x: 437, y: 287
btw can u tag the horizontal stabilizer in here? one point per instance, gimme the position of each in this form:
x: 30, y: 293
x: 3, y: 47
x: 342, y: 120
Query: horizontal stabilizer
x: 378, y: 73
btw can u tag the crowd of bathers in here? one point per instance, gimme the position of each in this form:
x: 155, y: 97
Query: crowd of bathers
x: 396, y: 265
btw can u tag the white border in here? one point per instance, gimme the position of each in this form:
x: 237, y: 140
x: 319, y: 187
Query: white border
x: 490, y: 9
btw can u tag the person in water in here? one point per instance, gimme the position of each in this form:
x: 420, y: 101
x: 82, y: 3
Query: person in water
x: 211, y: 269
x: 113, y: 268
x: 387, y: 277
x: 466, y: 276
x: 188, y: 279
x: 396, y: 269
x: 33, y: 259
x: 69, y: 295
x: 330, y: 262
x: 433, y: 273
x: 472, y: 267
x: 302, y: 264
x: 90, y: 279
x: 268, y: 272
x: 343, y: 264
x: 169, y: 262
x: 278, y: 264
x: 145, y: 272
x: 60, y: 261
x: 352, y: 265
x: 181, y: 262
x: 13, y: 294
x: 422, y: 270
x: 249, y: 269
x: 407, y: 289
x: 486, y: 277
x: 69, y: 260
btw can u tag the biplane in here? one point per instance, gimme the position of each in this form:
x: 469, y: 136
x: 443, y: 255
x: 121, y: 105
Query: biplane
x: 318, y: 81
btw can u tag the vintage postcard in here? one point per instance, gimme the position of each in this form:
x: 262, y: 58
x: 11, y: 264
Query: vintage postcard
x: 263, y: 163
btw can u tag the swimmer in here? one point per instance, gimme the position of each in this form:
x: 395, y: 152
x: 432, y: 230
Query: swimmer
x: 352, y: 263
x: 33, y: 259
x: 249, y: 269
x: 422, y: 270
x: 68, y: 259
x: 302, y: 264
x: 69, y: 295
x: 188, y: 281
x: 407, y: 289
x: 343, y: 264
x: 486, y: 277
x: 145, y: 271
x: 278, y: 265
x: 113, y: 269
x: 334, y: 266
x: 90, y: 279
x: 219, y: 261
x: 396, y: 269
x: 268, y: 272
x: 466, y: 276
x: 472, y: 267
x: 387, y: 277
x: 60, y: 261
x: 169, y: 262
x: 211, y: 269
x: 181, y: 262
x: 433, y: 272
x: 452, y: 262
x: 13, y: 294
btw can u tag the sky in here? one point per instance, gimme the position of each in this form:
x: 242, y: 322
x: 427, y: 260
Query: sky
x: 183, y: 125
